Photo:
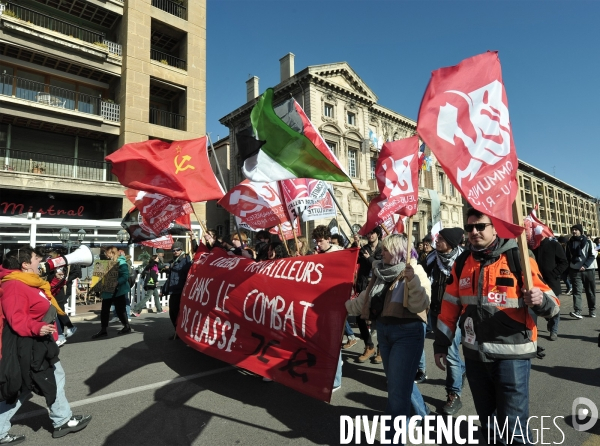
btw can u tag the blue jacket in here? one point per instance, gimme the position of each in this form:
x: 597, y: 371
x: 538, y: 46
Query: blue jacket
x: 178, y: 274
x: 122, y: 280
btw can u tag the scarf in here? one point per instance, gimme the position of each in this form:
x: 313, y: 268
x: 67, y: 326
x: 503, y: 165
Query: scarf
x: 35, y: 281
x: 576, y: 245
x: 446, y: 260
x: 385, y: 273
x: 486, y: 253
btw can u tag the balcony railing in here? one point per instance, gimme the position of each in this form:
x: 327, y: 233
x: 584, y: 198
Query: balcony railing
x: 39, y: 163
x: 57, y: 97
x: 167, y: 59
x: 172, y: 7
x: 61, y: 26
x: 166, y: 119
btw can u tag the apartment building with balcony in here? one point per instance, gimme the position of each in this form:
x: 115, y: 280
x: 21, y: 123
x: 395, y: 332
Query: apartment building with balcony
x: 560, y: 204
x: 80, y: 78
x: 346, y: 113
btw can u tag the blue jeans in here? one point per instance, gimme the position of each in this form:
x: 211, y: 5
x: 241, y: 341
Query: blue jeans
x: 423, y: 360
x: 553, y: 323
x: 456, y: 367
x: 338, y: 373
x: 400, y: 346
x: 501, y: 386
x: 60, y: 411
x: 348, y: 331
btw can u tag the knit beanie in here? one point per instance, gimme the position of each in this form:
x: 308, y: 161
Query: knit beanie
x: 578, y: 226
x: 453, y: 236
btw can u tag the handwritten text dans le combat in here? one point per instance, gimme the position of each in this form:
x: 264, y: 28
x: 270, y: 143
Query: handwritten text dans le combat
x: 257, y: 306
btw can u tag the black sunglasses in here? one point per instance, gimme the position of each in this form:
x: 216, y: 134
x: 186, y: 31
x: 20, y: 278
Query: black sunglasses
x: 479, y: 226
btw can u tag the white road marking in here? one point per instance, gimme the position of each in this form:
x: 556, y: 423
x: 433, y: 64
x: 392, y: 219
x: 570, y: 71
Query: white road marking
x: 120, y: 393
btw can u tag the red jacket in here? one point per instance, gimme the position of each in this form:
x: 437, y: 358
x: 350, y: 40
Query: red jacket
x: 23, y: 306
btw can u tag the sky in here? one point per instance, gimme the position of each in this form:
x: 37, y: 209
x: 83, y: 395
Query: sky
x: 549, y: 51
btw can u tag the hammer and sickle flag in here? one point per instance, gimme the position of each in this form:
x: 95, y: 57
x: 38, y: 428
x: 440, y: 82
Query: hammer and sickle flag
x: 180, y: 169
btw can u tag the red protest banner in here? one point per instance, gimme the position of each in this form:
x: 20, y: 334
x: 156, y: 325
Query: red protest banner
x: 282, y: 319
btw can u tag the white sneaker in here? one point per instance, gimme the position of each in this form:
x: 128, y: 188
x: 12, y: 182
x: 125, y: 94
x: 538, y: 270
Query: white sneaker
x: 61, y: 341
x: 335, y: 389
x: 70, y: 332
x: 113, y: 320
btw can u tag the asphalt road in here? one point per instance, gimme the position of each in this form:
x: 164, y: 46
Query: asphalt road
x: 143, y: 389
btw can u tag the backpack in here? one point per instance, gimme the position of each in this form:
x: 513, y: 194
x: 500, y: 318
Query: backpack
x: 132, y: 276
x: 512, y: 256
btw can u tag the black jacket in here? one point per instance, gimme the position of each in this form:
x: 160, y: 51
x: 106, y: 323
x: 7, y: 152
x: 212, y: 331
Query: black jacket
x: 365, y: 265
x: 178, y: 274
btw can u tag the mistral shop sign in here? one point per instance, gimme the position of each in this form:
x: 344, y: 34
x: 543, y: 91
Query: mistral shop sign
x: 282, y: 319
x: 58, y: 205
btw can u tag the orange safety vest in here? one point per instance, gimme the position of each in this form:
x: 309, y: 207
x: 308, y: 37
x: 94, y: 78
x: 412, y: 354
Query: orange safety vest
x: 494, y: 320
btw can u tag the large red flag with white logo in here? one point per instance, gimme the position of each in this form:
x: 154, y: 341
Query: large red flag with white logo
x: 157, y: 210
x: 258, y: 205
x: 397, y: 173
x: 464, y: 120
x: 179, y: 169
x: 535, y: 230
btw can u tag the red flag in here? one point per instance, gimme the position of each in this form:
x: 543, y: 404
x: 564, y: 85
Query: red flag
x: 397, y: 173
x: 256, y: 204
x: 157, y: 210
x: 464, y: 120
x: 535, y: 230
x: 288, y: 232
x: 395, y: 224
x: 178, y: 170
x: 164, y: 242
x: 139, y: 231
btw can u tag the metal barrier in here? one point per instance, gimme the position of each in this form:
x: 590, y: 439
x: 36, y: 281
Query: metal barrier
x: 175, y: 8
x: 166, y: 119
x: 167, y: 59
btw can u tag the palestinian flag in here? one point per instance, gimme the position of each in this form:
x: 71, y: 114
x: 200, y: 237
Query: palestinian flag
x: 285, y: 145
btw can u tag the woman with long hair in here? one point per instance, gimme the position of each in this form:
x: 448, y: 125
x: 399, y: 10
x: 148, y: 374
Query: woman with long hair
x: 276, y: 251
x: 301, y: 248
x: 118, y: 297
x: 398, y: 297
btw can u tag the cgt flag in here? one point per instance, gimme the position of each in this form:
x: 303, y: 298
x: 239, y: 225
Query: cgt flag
x: 286, y: 145
x: 157, y: 210
x: 464, y: 120
x: 258, y: 205
x: 397, y: 173
x: 140, y: 232
x: 178, y: 170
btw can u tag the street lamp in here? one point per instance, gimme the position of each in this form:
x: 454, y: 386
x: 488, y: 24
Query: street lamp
x: 123, y: 236
x: 64, y: 235
x: 80, y: 235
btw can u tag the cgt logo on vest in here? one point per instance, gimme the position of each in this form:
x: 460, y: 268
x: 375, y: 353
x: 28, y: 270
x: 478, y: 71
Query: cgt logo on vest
x: 497, y: 296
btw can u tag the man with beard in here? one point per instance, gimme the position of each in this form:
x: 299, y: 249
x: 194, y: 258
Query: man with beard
x: 438, y: 268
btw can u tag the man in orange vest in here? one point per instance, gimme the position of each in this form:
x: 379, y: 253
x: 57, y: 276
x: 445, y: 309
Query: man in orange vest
x: 499, y: 333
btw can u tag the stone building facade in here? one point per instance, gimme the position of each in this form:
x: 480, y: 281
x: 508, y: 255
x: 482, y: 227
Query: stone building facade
x: 346, y: 112
x: 560, y: 204
x: 80, y: 79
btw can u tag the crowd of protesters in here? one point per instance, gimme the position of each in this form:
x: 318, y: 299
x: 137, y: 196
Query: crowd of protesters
x: 401, y: 293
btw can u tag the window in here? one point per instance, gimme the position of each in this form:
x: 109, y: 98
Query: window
x: 332, y: 146
x: 351, y: 118
x: 219, y: 230
x: 452, y: 191
x: 441, y: 185
x: 352, y: 170
x: 373, y: 164
x: 328, y: 110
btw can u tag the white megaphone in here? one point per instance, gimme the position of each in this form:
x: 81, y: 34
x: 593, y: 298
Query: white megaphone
x: 81, y: 256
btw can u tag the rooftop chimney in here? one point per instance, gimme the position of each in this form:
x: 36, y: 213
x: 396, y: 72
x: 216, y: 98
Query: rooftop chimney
x: 251, y: 88
x: 286, y: 66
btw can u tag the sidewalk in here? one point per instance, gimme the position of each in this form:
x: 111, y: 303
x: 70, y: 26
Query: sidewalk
x: 86, y: 312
